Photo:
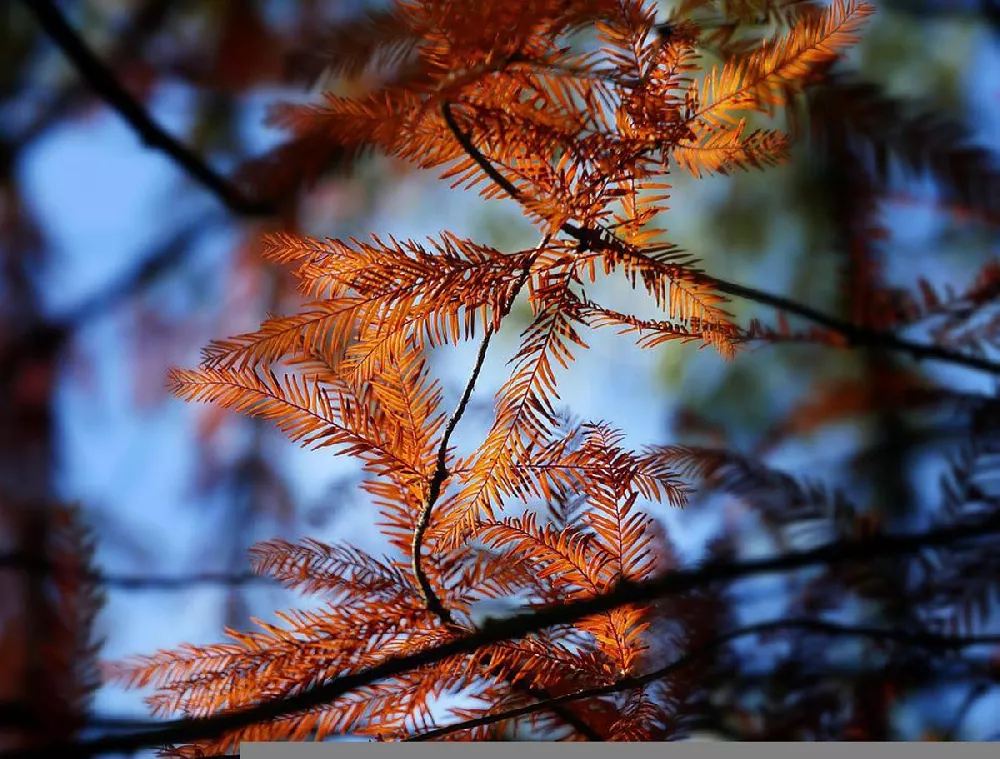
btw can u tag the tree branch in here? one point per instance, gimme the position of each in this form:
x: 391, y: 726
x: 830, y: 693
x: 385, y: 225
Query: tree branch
x: 627, y: 592
x: 434, y: 487
x: 49, y: 337
x: 104, y: 83
x: 142, y: 25
x: 854, y: 334
x: 924, y: 640
x: 441, y: 473
x: 430, y: 598
x: 22, y: 562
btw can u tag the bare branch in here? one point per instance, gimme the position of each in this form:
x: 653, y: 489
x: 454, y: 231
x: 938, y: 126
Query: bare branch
x: 104, y: 83
x: 24, y: 563
x: 430, y: 598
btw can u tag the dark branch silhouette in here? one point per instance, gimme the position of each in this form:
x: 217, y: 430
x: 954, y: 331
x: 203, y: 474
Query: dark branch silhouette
x: 937, y: 643
x: 518, y: 626
x: 854, y: 334
x: 104, y: 83
x: 814, y: 626
x: 13, y: 562
x: 140, y: 28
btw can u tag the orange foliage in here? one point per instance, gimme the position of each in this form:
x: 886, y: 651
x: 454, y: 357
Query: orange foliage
x: 492, y: 94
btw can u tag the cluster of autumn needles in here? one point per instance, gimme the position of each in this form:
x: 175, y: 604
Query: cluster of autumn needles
x: 615, y: 641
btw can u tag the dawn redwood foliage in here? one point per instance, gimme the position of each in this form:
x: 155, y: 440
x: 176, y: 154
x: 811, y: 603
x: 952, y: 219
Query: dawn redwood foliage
x: 494, y: 96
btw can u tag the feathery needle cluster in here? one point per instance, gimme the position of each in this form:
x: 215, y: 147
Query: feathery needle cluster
x: 501, y: 96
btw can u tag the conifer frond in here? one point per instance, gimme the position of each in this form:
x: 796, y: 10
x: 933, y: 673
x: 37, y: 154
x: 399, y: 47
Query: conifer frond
x: 404, y: 394
x: 725, y: 148
x: 639, y: 716
x: 652, y: 332
x: 576, y: 565
x: 524, y: 411
x: 780, y: 67
x: 376, y: 297
x: 550, y: 468
x: 918, y: 136
x: 569, y: 556
x: 300, y: 407
x: 783, y: 502
x: 64, y: 672
x: 621, y: 529
x: 307, y: 648
x: 494, y: 95
x: 375, y: 39
x: 676, y: 287
x: 323, y: 327
x: 616, y: 545
x: 956, y: 588
x: 545, y: 662
x: 312, y: 566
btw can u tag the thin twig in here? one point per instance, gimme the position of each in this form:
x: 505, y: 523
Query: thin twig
x: 186, y: 730
x: 441, y: 473
x: 431, y: 600
x: 104, y: 83
x: 854, y: 334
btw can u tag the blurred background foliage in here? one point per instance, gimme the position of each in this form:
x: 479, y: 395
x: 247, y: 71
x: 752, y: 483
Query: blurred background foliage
x: 115, y: 264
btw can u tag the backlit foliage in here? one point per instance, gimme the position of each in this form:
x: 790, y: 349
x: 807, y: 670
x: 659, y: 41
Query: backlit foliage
x: 496, y: 96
